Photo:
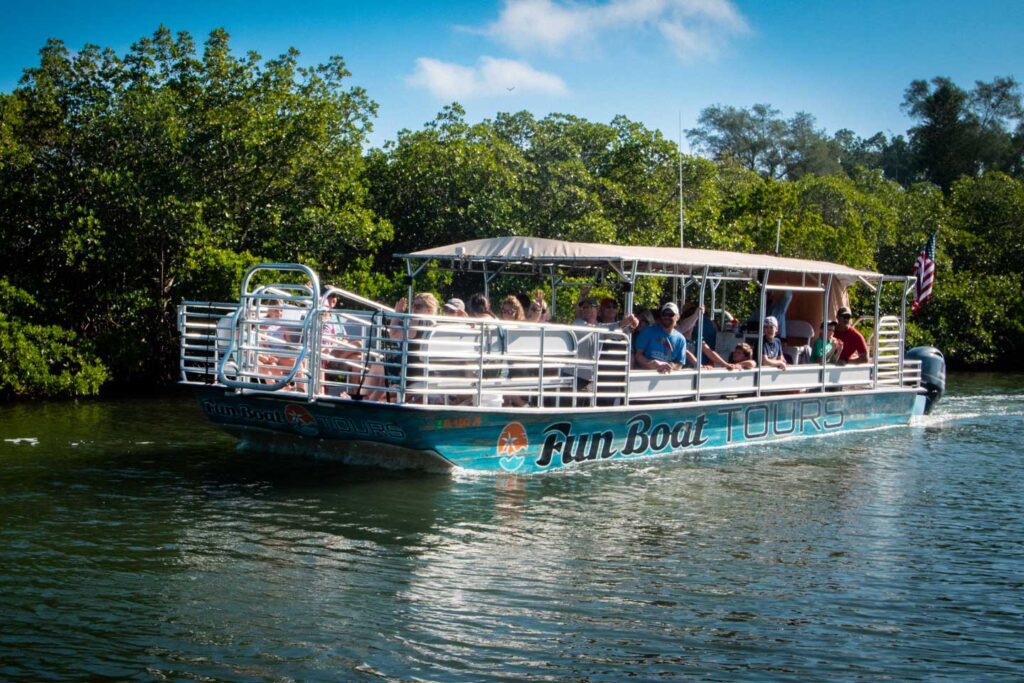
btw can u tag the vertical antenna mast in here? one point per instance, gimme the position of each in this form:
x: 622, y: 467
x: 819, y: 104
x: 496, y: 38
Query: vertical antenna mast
x: 682, y: 229
x: 778, y: 234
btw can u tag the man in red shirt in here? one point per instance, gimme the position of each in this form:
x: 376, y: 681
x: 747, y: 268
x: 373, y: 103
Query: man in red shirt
x: 855, y: 349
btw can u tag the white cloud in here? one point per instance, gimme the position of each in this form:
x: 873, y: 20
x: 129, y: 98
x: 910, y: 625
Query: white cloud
x: 693, y: 28
x: 491, y: 76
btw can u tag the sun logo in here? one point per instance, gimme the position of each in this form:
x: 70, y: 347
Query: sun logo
x: 511, y: 441
x: 301, y: 420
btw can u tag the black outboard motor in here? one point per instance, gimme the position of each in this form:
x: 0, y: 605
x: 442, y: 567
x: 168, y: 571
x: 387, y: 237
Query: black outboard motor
x: 933, y: 373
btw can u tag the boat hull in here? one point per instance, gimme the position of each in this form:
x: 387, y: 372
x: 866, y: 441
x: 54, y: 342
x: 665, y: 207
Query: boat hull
x: 505, y: 440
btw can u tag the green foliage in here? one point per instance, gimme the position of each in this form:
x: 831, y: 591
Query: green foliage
x: 16, y: 303
x: 42, y: 361
x: 209, y: 273
x: 46, y: 361
x: 958, y: 133
x: 760, y: 140
x: 987, y: 214
x: 130, y: 182
x: 977, y: 319
x: 962, y: 133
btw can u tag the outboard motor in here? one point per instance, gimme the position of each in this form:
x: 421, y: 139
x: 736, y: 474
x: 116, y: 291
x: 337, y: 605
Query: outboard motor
x: 933, y: 373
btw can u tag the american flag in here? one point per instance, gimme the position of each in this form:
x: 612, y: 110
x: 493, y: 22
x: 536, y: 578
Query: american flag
x: 924, y: 270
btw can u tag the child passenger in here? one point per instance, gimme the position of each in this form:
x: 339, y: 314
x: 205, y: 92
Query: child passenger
x: 742, y: 357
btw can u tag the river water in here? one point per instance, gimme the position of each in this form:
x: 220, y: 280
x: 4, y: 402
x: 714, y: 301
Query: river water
x: 136, y: 543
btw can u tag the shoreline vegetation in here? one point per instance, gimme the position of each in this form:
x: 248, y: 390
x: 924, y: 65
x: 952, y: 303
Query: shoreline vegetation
x: 131, y: 182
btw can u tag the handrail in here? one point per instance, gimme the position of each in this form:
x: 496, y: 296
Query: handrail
x: 473, y: 361
x: 436, y: 366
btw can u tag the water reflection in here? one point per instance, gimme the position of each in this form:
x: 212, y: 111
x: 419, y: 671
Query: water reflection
x: 136, y: 541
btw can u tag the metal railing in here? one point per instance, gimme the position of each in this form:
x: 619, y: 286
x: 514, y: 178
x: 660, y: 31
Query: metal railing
x: 281, y: 340
x: 888, y: 345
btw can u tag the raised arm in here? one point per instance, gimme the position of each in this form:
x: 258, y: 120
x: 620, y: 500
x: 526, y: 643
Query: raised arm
x: 716, y: 359
x: 686, y: 324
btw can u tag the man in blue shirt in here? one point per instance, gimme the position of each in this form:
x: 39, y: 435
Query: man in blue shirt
x: 661, y: 347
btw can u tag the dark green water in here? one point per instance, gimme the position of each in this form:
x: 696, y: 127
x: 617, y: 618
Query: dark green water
x: 135, y: 543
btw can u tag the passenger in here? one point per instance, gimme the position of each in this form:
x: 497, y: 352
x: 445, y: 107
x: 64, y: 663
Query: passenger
x: 742, y: 357
x: 538, y: 310
x: 710, y: 332
x: 662, y: 347
x: 383, y: 376
x: 686, y: 323
x: 586, y: 311
x: 855, y: 349
x: 455, y: 308
x: 644, y: 318
x: 480, y: 307
x: 609, y: 311
x: 826, y: 344
x: 771, y: 345
x: 275, y: 339
x: 511, y: 309
x: 341, y: 355
x: 587, y: 316
x: 713, y: 360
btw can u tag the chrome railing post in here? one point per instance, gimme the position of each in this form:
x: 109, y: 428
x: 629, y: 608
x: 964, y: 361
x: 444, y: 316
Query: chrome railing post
x: 824, y: 336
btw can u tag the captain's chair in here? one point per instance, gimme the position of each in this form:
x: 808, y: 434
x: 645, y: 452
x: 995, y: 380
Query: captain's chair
x: 797, y: 344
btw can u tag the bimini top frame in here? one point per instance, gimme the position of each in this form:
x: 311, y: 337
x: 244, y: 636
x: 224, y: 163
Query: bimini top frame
x: 535, y: 256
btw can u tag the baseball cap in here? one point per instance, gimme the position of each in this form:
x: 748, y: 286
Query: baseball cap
x: 455, y: 304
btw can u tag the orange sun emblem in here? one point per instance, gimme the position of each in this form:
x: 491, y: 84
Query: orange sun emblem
x: 512, y: 439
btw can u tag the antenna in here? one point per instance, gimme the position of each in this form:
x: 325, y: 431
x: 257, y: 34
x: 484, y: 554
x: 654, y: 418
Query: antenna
x: 679, y: 149
x: 778, y: 234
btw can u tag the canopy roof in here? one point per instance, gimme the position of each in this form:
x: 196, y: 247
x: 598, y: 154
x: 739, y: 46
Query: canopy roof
x: 533, y: 254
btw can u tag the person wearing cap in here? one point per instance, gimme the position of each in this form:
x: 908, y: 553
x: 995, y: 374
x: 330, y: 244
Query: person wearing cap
x: 455, y: 307
x: 826, y: 344
x: 609, y: 311
x: 855, y: 349
x: 662, y: 347
x: 771, y: 345
x: 586, y: 311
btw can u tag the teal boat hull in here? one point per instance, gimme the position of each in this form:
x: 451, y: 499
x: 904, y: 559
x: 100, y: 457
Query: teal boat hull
x: 531, y: 441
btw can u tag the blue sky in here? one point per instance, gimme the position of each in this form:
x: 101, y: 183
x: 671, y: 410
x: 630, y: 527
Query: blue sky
x: 847, y: 63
